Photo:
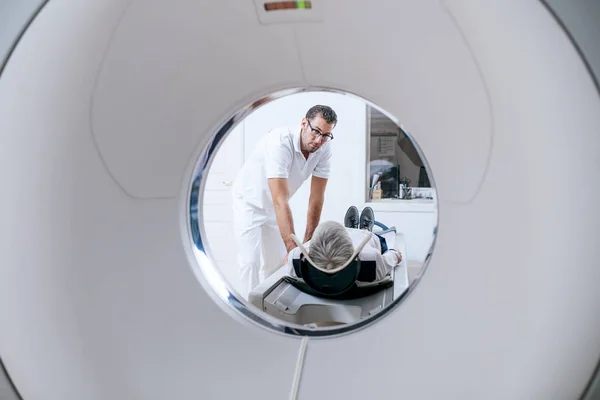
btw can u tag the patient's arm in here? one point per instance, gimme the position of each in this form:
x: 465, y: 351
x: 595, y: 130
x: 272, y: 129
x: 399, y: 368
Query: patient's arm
x: 386, y: 261
x: 392, y: 257
x: 280, y: 193
x: 398, y: 255
x: 383, y: 263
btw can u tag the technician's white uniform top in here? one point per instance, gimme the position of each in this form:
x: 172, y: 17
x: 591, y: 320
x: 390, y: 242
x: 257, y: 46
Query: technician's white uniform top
x: 372, y: 251
x: 278, y: 155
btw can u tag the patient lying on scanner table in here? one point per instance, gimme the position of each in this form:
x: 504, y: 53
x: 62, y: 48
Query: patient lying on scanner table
x: 343, y: 274
x: 333, y: 245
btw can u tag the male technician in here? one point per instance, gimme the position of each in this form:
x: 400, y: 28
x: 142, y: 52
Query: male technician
x: 280, y: 163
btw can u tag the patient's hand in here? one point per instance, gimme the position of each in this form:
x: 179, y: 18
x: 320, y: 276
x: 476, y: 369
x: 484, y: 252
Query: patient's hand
x: 285, y: 260
x: 399, y: 255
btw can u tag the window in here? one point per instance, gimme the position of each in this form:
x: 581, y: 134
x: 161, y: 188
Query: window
x: 395, y: 169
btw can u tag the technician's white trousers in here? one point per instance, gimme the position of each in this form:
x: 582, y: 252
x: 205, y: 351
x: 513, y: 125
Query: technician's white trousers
x: 257, y: 234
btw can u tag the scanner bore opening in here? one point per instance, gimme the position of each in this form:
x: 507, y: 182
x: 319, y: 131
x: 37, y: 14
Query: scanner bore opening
x: 211, y: 271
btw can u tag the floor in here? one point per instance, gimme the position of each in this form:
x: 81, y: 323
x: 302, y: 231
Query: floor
x: 414, y: 268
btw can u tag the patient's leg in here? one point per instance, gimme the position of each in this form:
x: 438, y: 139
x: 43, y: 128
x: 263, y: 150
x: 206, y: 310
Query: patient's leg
x: 367, y: 219
x: 351, y: 218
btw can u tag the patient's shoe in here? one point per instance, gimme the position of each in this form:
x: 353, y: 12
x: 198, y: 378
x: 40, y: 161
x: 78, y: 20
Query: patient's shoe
x: 351, y: 218
x: 367, y: 219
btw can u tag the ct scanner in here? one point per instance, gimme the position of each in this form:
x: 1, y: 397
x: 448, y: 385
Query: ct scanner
x: 107, y: 106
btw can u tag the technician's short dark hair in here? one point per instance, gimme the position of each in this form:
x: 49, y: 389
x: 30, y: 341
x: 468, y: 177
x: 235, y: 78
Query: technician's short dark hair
x: 324, y: 112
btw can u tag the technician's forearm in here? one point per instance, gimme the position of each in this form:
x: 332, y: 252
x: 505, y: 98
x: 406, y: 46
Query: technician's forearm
x: 285, y: 222
x: 315, y: 206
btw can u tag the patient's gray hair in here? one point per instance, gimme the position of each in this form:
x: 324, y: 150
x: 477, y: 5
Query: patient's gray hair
x: 330, y: 245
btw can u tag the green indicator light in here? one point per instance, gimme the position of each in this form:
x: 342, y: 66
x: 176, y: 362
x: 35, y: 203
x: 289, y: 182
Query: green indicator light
x: 288, y: 5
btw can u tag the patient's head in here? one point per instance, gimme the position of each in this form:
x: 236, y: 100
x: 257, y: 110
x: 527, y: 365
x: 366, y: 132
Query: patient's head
x: 330, y: 245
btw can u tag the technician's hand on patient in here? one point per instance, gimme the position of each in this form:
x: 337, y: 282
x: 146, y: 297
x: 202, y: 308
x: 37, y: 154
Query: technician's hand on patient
x: 286, y: 258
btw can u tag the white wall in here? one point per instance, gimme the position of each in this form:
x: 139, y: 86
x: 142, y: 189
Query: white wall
x: 347, y: 182
x: 216, y: 208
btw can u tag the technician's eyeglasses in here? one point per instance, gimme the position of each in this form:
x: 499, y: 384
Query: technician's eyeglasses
x: 323, y: 136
